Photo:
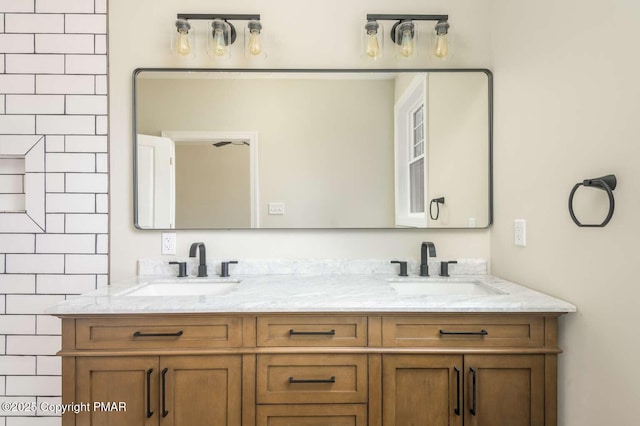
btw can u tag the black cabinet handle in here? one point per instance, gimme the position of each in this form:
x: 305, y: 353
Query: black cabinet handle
x: 332, y: 379
x: 465, y: 333
x: 149, y: 412
x: 474, y: 390
x: 312, y: 333
x: 141, y: 334
x: 457, y: 409
x: 164, y: 389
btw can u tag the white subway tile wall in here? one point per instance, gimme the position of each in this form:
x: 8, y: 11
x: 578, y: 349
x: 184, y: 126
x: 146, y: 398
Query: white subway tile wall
x: 53, y: 83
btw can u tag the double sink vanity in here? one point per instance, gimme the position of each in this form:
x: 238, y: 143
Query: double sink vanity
x: 322, y: 342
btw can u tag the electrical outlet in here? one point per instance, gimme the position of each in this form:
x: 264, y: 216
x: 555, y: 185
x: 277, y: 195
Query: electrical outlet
x: 276, y: 208
x: 520, y: 232
x: 168, y: 243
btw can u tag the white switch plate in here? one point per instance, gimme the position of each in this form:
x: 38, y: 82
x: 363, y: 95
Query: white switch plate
x: 168, y: 243
x: 276, y: 208
x: 520, y: 232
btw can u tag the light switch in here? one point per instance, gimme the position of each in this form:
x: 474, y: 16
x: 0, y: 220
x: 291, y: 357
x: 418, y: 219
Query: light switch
x: 520, y: 232
x: 276, y: 208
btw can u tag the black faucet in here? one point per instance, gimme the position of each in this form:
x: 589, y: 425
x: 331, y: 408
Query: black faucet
x: 427, y: 249
x: 202, y: 267
x: 403, y: 268
x: 224, y: 267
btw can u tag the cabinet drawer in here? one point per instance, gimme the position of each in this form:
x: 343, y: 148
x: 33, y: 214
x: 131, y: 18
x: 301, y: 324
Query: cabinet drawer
x: 312, y: 331
x: 158, y: 333
x: 445, y: 330
x: 323, y: 378
x: 312, y: 415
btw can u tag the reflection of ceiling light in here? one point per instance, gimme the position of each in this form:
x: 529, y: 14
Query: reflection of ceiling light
x: 223, y: 143
x: 221, y: 34
x: 404, y: 34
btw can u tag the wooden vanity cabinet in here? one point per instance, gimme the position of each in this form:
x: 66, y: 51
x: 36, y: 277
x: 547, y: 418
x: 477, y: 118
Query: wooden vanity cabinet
x: 166, y: 390
x: 452, y: 390
x: 313, y: 370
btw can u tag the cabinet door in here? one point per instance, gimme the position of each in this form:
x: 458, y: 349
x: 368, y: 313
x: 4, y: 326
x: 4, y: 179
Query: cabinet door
x: 504, y: 390
x: 201, y: 390
x: 422, y: 390
x: 109, y: 380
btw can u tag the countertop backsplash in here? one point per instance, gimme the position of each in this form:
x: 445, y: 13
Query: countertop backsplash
x: 157, y: 267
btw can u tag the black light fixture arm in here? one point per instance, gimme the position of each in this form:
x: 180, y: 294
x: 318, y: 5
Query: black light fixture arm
x: 388, y: 17
x: 224, y: 17
x: 405, y: 18
x: 229, y: 38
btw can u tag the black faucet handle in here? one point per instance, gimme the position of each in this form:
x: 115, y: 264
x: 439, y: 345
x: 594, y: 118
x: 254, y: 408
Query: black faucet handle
x: 403, y: 267
x: 224, y: 268
x: 182, y: 268
x: 444, y: 267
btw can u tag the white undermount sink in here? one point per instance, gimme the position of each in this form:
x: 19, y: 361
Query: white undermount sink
x: 442, y: 288
x: 206, y: 287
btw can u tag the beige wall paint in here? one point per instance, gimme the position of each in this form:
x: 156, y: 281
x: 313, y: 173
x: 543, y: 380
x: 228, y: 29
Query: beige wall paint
x: 325, y: 146
x: 567, y: 107
x: 143, y: 42
x: 458, y: 154
x: 216, y: 180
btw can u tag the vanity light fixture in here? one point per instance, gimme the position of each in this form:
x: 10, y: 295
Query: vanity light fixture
x: 221, y: 34
x: 182, y: 38
x: 373, y: 39
x: 404, y: 34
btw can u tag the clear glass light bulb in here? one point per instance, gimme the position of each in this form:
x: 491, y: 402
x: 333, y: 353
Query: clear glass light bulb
x: 219, y: 46
x: 255, y: 45
x: 442, y: 46
x: 406, y: 47
x: 373, y: 47
x: 182, y: 43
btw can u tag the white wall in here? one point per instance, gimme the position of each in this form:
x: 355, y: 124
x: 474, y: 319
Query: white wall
x: 53, y: 90
x: 567, y: 102
x: 301, y: 36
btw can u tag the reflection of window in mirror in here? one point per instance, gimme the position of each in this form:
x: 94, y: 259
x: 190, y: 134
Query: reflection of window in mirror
x: 416, y: 162
x: 411, y: 150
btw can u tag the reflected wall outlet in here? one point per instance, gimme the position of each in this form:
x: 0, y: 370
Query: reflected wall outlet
x: 520, y: 232
x: 168, y: 243
x: 276, y: 208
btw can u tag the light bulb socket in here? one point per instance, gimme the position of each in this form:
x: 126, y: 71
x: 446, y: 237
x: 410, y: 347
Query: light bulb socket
x: 229, y: 33
x: 400, y: 27
x: 255, y: 26
x: 442, y: 28
x: 371, y: 27
x: 183, y: 26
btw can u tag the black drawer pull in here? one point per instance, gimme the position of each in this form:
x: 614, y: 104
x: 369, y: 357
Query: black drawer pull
x: 330, y: 380
x: 149, y: 411
x: 465, y: 333
x: 292, y: 332
x: 164, y: 392
x: 474, y: 390
x: 457, y: 409
x: 141, y: 334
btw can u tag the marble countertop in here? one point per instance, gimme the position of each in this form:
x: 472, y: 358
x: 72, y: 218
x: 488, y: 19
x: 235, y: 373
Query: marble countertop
x: 312, y: 293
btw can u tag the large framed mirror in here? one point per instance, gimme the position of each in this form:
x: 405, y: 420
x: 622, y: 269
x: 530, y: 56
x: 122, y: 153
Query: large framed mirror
x: 287, y: 149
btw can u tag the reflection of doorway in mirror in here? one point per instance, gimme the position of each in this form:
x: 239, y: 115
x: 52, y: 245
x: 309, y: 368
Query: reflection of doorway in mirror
x: 216, y: 179
x: 156, y: 183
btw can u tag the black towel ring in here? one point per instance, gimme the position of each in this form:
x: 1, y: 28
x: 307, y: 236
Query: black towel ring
x: 438, y: 201
x: 606, y: 183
